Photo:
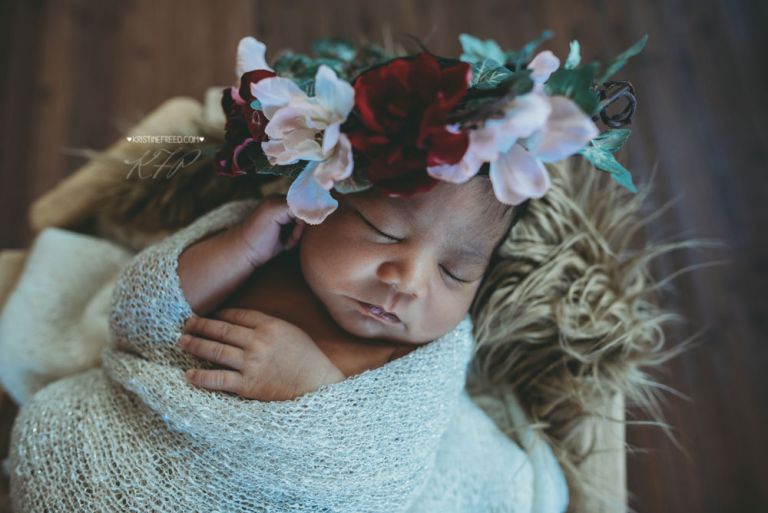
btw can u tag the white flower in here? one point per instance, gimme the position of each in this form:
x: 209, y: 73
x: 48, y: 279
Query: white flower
x: 550, y: 127
x: 250, y: 56
x: 542, y: 66
x: 304, y: 128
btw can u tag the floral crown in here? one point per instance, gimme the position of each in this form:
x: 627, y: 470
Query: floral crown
x: 351, y: 119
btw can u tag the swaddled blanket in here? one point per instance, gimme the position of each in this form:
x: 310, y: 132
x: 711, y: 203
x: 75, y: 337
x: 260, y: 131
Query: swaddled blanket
x: 133, y: 435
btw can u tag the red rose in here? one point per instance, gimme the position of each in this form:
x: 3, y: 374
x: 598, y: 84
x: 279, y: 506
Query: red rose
x: 244, y: 127
x: 403, y: 109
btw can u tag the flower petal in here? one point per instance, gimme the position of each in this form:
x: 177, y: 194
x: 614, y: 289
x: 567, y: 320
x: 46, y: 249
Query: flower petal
x: 236, y: 153
x: 447, y: 147
x: 307, y: 199
x: 457, y: 173
x: 250, y: 56
x: 286, y: 120
x: 299, y: 144
x: 526, y: 114
x: 337, y: 167
x: 249, y: 78
x: 331, y: 137
x: 542, y: 66
x: 277, y: 153
x: 276, y: 92
x: 567, y: 130
x: 454, y: 83
x: 236, y: 96
x: 333, y: 94
x: 483, y: 144
x: 517, y: 176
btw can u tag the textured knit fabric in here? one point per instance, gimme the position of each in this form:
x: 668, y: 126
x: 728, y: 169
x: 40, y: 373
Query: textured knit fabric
x: 55, y: 321
x: 133, y: 435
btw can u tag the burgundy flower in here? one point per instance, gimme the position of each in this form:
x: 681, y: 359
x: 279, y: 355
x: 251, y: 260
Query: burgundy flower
x: 244, y: 129
x: 403, y: 109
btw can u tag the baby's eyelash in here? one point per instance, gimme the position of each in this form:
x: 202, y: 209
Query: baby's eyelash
x: 373, y: 227
x: 396, y: 239
x: 454, y: 277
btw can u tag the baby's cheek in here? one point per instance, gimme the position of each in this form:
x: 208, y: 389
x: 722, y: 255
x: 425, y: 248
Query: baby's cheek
x: 453, y: 309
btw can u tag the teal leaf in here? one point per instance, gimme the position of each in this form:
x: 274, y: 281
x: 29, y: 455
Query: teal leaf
x: 611, y: 140
x: 289, y: 170
x: 521, y: 82
x: 355, y: 182
x: 256, y: 105
x: 622, y: 58
x: 488, y: 73
x: 307, y: 85
x: 302, y: 68
x: 334, y: 48
x: 475, y: 50
x: 291, y: 64
x: 367, y: 56
x: 522, y: 57
x: 574, y: 56
x: 576, y: 84
x: 605, y: 161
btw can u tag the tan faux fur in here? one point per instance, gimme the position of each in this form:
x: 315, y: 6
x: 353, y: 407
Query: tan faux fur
x: 568, y: 314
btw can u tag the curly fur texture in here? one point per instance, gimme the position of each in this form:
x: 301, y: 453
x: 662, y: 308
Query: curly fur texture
x: 568, y: 313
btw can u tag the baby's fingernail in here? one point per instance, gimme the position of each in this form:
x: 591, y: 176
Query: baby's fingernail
x: 183, y: 340
x: 190, y: 373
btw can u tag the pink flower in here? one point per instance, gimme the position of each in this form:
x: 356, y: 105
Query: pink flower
x: 536, y: 128
x: 244, y: 127
x: 304, y: 128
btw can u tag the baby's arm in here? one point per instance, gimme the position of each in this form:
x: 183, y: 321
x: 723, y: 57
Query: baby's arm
x: 149, y: 306
x: 211, y: 269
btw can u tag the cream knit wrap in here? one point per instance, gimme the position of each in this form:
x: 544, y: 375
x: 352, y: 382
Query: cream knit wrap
x: 134, y: 435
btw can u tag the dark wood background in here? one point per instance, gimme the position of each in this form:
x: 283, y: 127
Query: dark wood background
x: 78, y: 74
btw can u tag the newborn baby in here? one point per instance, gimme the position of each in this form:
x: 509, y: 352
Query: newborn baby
x: 379, y: 277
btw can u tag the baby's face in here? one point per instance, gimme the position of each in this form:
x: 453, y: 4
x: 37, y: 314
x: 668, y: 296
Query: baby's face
x: 425, y: 270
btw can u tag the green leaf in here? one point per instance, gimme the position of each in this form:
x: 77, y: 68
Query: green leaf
x: 334, y: 48
x: 605, y: 161
x: 576, y: 84
x: 289, y: 170
x: 355, y: 182
x: 367, y: 56
x: 611, y: 140
x: 523, y: 56
x: 302, y: 68
x: 521, y: 82
x: 291, y: 64
x: 622, y: 58
x: 488, y: 73
x: 475, y: 50
x: 574, y: 56
x: 256, y: 105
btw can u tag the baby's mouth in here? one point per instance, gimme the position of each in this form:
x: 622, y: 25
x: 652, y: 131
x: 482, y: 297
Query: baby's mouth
x: 380, y: 313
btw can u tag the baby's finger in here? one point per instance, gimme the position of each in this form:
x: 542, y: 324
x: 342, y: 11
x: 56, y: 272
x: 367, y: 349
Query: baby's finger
x: 219, y: 330
x: 298, y: 230
x: 223, y: 380
x: 281, y: 212
x: 212, y: 351
x: 244, y: 317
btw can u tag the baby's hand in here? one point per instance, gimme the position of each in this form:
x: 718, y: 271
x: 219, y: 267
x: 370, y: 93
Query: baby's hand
x: 264, y: 230
x: 272, y: 359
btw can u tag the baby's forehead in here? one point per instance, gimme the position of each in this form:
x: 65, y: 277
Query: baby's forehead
x: 463, y: 211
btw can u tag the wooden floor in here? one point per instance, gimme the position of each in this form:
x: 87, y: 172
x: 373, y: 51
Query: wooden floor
x: 77, y: 74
